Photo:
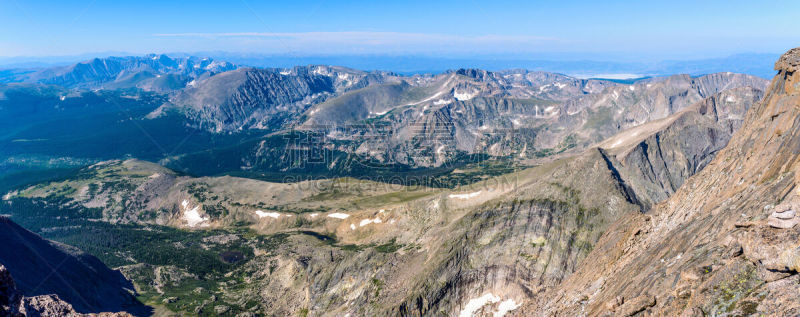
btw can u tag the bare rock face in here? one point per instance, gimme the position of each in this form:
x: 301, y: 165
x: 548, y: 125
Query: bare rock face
x: 47, y: 305
x: 790, y: 61
x: 636, y: 305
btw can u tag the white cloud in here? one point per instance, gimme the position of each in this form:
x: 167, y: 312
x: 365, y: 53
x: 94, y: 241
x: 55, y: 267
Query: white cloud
x: 370, y: 37
x: 350, y: 41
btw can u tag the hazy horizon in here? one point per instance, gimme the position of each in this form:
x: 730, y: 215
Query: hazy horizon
x: 613, y: 31
x: 759, y: 64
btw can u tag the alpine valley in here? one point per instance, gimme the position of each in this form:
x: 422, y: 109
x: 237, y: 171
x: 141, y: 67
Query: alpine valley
x: 186, y: 186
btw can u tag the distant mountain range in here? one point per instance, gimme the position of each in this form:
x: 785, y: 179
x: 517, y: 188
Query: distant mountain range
x: 397, y: 121
x: 572, y: 64
x: 151, y: 72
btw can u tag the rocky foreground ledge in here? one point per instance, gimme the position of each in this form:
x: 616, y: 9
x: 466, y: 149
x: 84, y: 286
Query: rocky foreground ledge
x: 14, y: 304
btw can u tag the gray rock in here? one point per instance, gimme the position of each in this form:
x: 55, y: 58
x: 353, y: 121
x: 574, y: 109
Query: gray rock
x: 786, y: 214
x: 636, y: 305
x: 221, y: 309
x: 783, y: 217
x: 784, y: 211
x: 782, y: 223
x: 790, y: 61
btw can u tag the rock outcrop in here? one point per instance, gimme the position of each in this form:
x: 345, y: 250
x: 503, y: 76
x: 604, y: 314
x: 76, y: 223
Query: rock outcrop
x: 15, y: 304
x: 784, y: 216
x: 57, y: 278
x: 790, y: 61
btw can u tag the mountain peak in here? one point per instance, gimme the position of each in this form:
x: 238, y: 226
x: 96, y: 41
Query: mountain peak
x: 473, y: 73
x: 790, y: 61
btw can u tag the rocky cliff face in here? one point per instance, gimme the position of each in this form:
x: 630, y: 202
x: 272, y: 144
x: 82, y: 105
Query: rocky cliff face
x: 513, y: 249
x: 56, y: 279
x: 656, y: 158
x: 725, y: 243
x: 243, y: 97
x: 264, y: 98
x: 15, y: 304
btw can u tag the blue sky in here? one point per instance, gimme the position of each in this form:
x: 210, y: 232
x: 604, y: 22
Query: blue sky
x: 583, y: 29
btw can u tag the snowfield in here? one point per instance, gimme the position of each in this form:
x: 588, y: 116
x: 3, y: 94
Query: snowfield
x: 465, y: 196
x: 477, y: 303
x: 192, y: 215
x: 338, y: 215
x: 262, y: 214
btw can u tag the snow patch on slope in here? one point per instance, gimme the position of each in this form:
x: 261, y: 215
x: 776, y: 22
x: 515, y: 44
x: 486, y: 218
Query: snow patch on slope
x: 442, y: 102
x: 429, y: 98
x: 505, y: 307
x: 369, y: 221
x: 379, y: 113
x: 262, y: 214
x: 338, y: 215
x: 465, y: 196
x: 192, y: 215
x: 477, y: 303
x: 463, y: 96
